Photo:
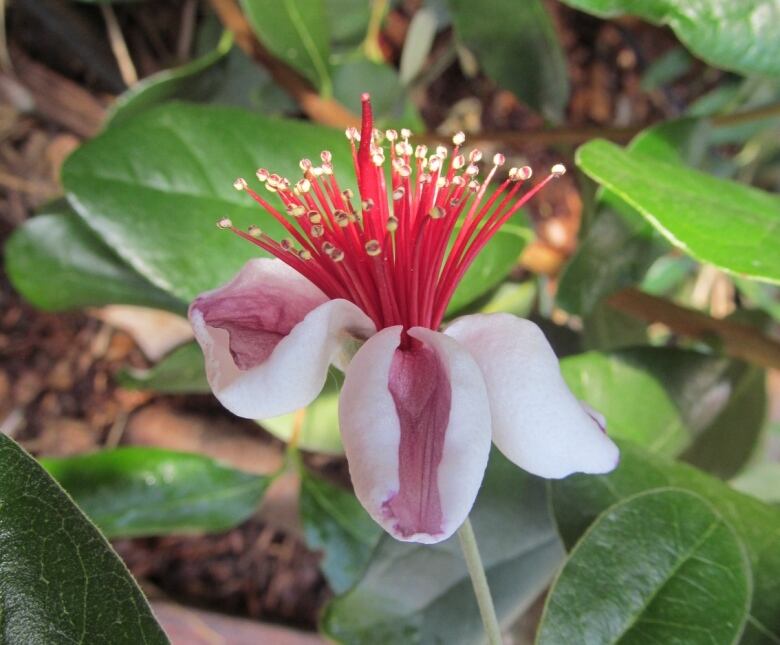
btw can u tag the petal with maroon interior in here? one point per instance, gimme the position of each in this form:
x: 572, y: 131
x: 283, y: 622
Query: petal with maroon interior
x: 269, y: 336
x: 415, y: 422
x: 537, y: 421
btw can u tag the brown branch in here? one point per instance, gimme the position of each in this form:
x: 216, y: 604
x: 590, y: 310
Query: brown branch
x: 734, y: 339
x: 318, y: 109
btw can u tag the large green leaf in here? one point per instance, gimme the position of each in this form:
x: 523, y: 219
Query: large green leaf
x: 153, y: 188
x: 414, y: 593
x: 739, y: 35
x: 517, y: 46
x: 619, y: 245
x: 664, y: 398
x: 659, y: 567
x: 335, y: 523
x: 390, y: 103
x: 57, y: 263
x: 714, y: 220
x: 60, y: 582
x: 222, y: 76
x: 297, y: 32
x: 579, y: 499
x: 181, y: 371
x: 148, y: 491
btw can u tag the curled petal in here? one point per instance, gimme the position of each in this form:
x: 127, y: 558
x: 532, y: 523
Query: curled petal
x: 269, y: 336
x: 537, y: 421
x: 415, y: 423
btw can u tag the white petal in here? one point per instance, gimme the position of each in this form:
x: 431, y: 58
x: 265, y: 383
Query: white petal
x: 537, y: 422
x: 269, y: 336
x: 388, y: 470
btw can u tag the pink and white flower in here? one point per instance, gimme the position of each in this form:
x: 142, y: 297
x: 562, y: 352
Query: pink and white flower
x: 419, y: 406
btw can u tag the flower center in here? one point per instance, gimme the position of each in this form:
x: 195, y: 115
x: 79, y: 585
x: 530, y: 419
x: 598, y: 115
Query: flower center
x: 400, y: 253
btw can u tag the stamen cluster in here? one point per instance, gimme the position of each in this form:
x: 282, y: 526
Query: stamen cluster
x: 400, y: 252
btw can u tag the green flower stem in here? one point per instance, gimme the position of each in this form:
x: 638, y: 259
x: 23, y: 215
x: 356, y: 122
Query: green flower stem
x: 468, y: 544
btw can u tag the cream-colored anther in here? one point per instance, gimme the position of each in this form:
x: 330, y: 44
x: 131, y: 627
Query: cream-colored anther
x: 304, y: 255
x: 558, y: 169
x: 434, y: 163
x: 262, y: 174
x: 472, y: 170
x: 305, y: 165
x: 327, y: 247
x: 421, y: 152
x: 377, y: 136
x: 224, y: 223
x: 398, y: 193
x: 296, y: 210
x: 392, y: 135
x: 437, y: 212
x: 392, y: 223
x: 303, y: 185
x: 406, y: 133
x: 458, y: 161
x: 327, y: 168
x: 441, y: 182
x: 314, y: 217
x: 342, y: 218
x: 317, y: 230
x: 458, y: 181
x: 347, y: 194
x: 337, y: 255
x: 474, y: 186
x: 459, y: 138
x: 240, y: 184
x: 287, y: 244
x: 475, y: 156
x: 316, y: 171
x: 378, y: 158
x: 255, y: 231
x: 499, y: 159
x: 441, y: 151
x: 373, y: 248
x: 353, y: 134
x: 524, y: 173
x: 326, y: 156
x: 368, y: 204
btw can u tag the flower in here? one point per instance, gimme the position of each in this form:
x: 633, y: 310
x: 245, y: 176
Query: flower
x: 419, y: 406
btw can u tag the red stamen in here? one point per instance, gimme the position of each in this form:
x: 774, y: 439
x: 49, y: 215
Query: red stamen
x: 399, y: 258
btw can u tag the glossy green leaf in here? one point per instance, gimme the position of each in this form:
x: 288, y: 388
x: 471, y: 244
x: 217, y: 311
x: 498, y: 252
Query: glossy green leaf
x: 619, y: 245
x: 319, y: 431
x: 335, y: 523
x: 296, y: 31
x: 57, y: 263
x: 148, y: 491
x: 714, y: 220
x: 517, y: 46
x: 739, y: 36
x: 60, y: 582
x: 181, y: 372
x: 190, y: 81
x: 579, y: 499
x: 154, y: 187
x: 347, y: 22
x: 659, y: 567
x: 414, y: 593
x: 664, y: 398
x: 390, y: 103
